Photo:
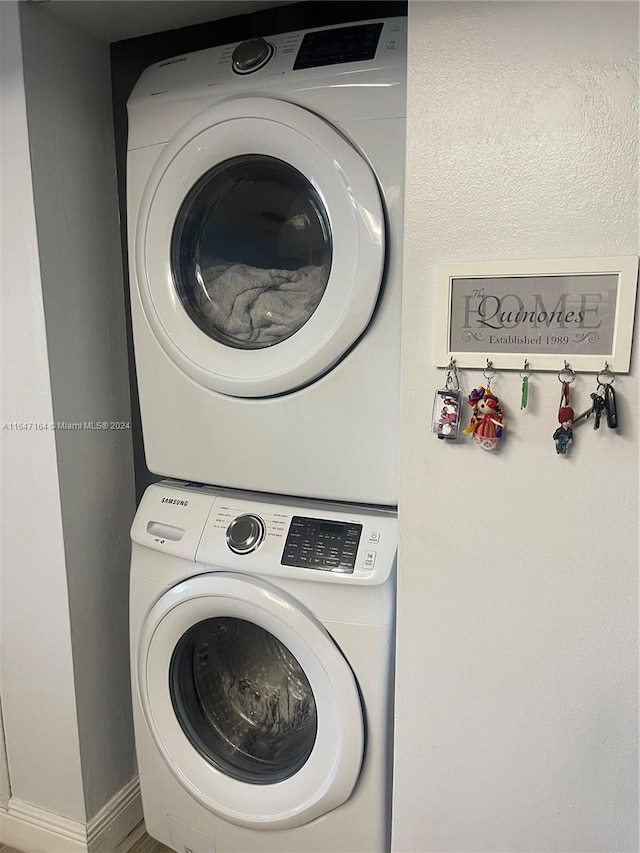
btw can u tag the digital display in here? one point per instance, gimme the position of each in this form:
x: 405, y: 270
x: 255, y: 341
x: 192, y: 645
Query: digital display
x: 332, y: 47
x: 326, y: 527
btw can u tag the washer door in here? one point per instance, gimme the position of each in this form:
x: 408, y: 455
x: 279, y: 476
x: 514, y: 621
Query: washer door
x: 250, y: 702
x: 259, y: 247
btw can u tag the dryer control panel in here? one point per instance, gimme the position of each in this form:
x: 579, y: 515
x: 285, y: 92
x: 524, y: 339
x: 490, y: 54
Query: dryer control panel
x: 337, y: 45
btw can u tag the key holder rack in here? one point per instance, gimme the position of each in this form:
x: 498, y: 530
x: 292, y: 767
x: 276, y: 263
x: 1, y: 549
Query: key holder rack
x: 605, y: 376
x: 487, y: 419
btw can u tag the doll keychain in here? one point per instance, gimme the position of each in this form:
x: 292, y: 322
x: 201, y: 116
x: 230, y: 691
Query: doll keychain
x: 447, y: 406
x: 563, y: 436
x: 486, y: 424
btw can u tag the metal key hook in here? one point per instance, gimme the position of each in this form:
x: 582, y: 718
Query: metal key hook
x: 489, y: 373
x: 608, y: 373
x: 566, y: 375
x: 525, y: 373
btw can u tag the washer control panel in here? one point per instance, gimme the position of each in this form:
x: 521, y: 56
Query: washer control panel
x: 318, y: 543
x: 263, y: 535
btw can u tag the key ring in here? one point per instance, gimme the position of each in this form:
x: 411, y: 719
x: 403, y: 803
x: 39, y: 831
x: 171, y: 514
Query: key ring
x: 453, y: 380
x: 566, y: 375
x: 489, y: 373
x: 609, y: 395
x: 606, y: 371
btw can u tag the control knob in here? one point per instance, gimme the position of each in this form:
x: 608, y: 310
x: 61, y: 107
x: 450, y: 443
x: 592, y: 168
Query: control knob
x: 251, y: 55
x: 245, y: 533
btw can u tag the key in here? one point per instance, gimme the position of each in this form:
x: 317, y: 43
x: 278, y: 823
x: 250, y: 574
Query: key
x: 597, y: 408
x: 584, y: 416
x: 610, y: 407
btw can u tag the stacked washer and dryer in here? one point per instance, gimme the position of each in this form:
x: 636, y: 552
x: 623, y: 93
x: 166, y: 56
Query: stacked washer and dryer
x: 265, y: 191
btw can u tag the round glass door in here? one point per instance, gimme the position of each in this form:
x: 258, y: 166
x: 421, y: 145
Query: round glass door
x: 249, y: 701
x: 251, y: 251
x: 259, y: 247
x: 243, y: 700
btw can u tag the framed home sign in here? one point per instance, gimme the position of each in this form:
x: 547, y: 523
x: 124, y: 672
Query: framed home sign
x: 578, y: 310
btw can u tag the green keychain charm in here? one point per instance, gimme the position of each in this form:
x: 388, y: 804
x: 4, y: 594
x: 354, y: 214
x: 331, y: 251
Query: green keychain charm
x: 525, y: 385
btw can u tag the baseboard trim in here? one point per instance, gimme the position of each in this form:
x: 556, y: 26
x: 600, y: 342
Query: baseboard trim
x: 116, y: 819
x: 28, y: 827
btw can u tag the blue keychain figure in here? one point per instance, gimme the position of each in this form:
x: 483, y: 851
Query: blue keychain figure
x: 563, y: 436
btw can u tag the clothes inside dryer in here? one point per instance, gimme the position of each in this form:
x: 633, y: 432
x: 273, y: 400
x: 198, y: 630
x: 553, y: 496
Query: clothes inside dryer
x: 251, y: 251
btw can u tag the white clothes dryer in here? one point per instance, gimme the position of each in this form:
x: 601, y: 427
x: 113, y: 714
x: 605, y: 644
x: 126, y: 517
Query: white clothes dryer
x: 265, y: 193
x: 262, y: 665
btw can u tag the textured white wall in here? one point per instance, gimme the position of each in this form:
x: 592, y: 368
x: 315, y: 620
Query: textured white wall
x: 517, y: 710
x: 38, y: 697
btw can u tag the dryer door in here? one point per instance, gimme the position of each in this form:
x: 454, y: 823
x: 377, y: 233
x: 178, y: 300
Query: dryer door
x: 250, y: 702
x: 259, y: 247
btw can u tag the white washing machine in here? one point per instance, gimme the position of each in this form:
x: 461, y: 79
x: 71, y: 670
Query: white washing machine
x: 262, y: 665
x: 265, y: 193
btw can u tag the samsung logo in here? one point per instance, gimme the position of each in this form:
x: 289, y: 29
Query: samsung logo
x: 173, y: 61
x: 174, y: 501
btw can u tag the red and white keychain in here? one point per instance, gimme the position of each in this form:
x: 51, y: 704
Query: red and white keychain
x: 487, y: 426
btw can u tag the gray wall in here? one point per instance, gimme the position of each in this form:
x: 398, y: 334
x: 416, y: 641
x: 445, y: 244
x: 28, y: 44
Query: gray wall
x: 68, y: 96
x: 38, y: 695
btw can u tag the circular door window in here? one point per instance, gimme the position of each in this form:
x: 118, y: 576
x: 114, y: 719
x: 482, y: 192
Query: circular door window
x: 243, y: 700
x: 251, y: 251
x: 259, y: 247
x: 249, y: 701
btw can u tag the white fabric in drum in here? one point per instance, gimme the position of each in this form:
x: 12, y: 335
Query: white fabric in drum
x: 255, y: 305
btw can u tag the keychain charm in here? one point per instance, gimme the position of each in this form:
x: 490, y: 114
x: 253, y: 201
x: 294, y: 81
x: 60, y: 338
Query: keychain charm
x: 487, y: 420
x: 447, y: 406
x: 563, y: 436
x: 524, y: 399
